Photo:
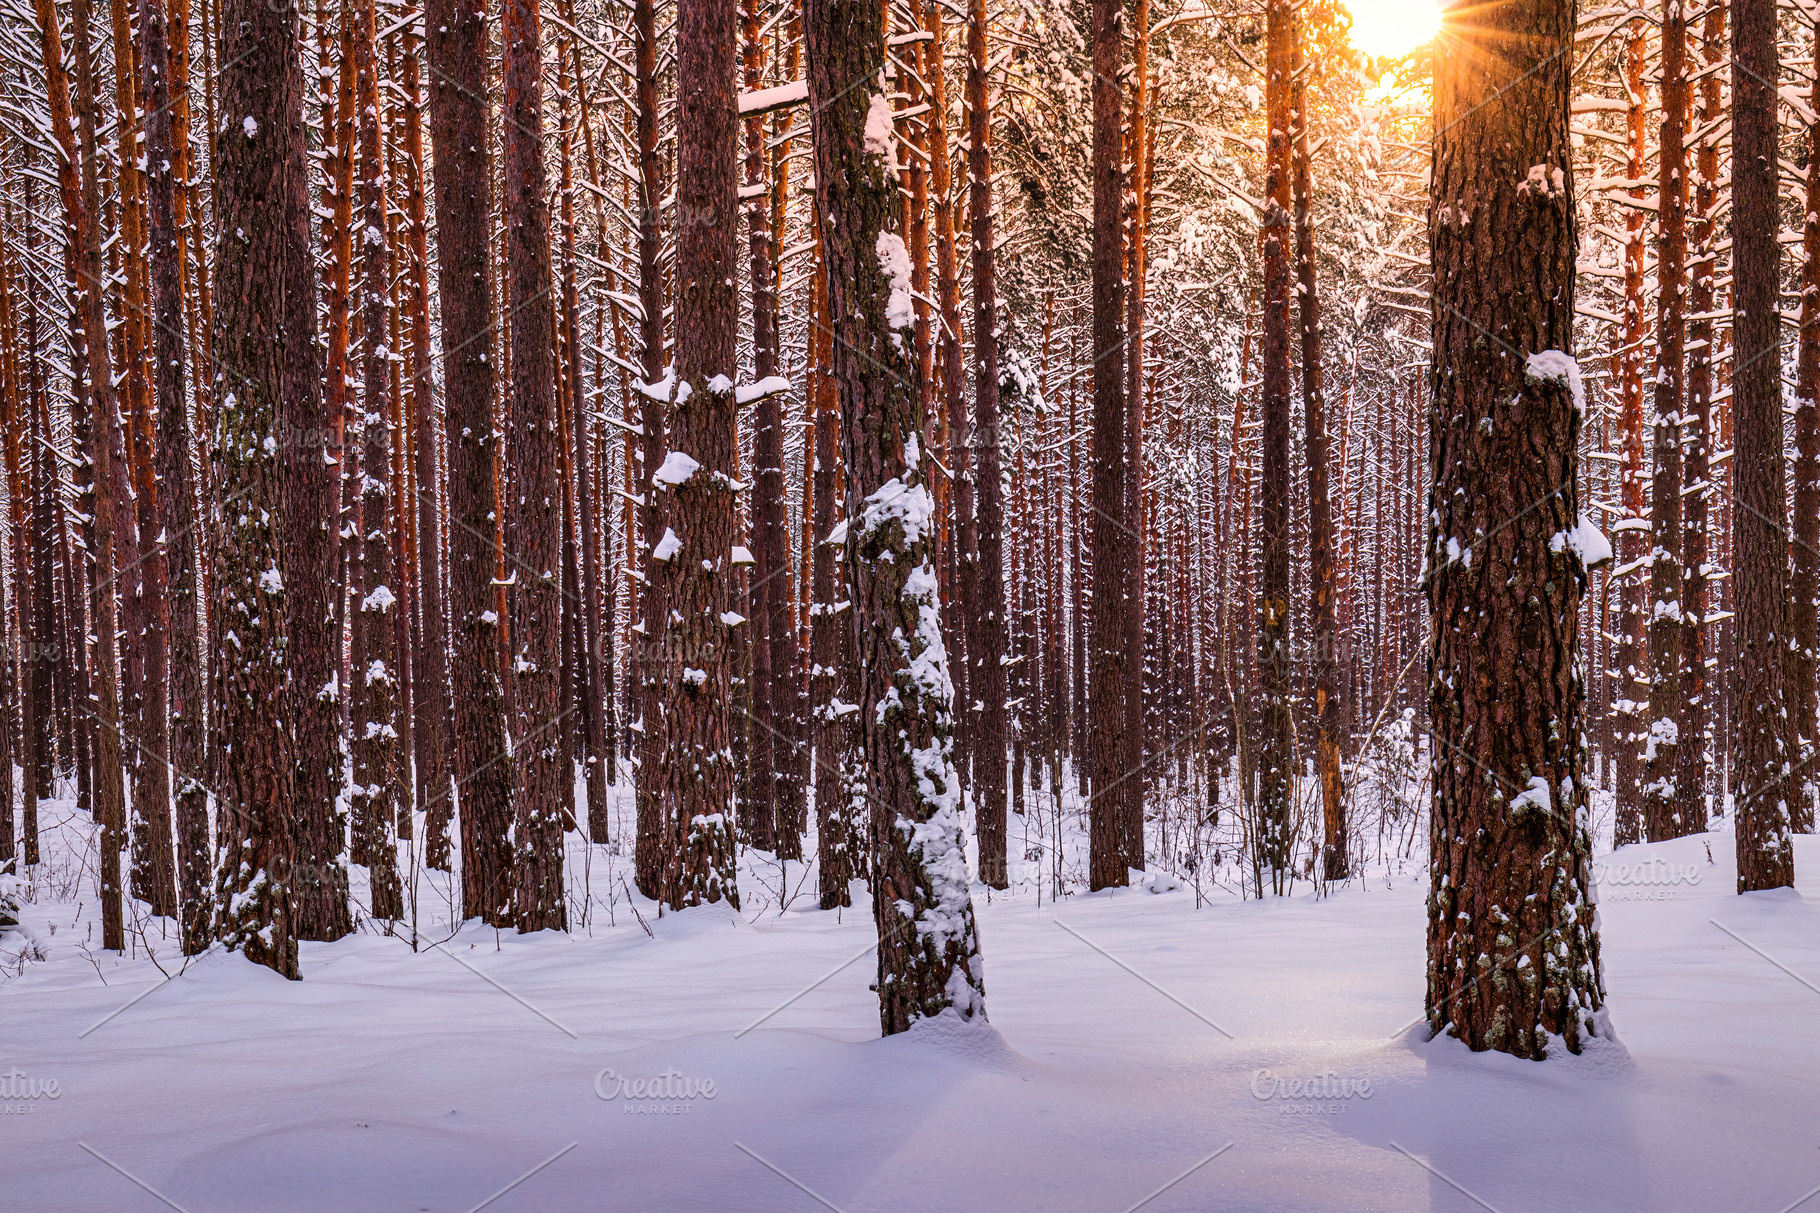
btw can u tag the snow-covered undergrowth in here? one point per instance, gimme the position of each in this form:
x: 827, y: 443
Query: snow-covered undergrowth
x: 1258, y: 1053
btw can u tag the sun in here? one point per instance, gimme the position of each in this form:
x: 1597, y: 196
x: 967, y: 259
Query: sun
x: 1393, y: 27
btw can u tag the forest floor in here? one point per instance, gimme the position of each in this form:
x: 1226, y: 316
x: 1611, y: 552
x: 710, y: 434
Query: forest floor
x: 1142, y: 1048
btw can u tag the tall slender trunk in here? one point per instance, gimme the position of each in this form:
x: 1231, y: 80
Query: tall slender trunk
x: 699, y: 473
x: 98, y: 433
x: 1107, y: 853
x: 1275, y: 755
x: 928, y: 952
x: 542, y: 785
x: 314, y: 454
x: 1129, y: 791
x: 1697, y: 547
x: 1323, y: 628
x: 831, y: 674
x: 464, y: 191
x: 47, y: 531
x: 430, y: 662
x: 770, y: 592
x: 1513, y: 945
x: 584, y: 598
x: 265, y: 340
x: 986, y: 610
x: 1804, y: 579
x: 1764, y: 792
x: 1661, y: 804
x: 646, y: 674
x: 1627, y: 665
x: 376, y: 795
x: 171, y: 571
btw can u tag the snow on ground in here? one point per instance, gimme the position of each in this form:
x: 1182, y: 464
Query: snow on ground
x: 1138, y: 1043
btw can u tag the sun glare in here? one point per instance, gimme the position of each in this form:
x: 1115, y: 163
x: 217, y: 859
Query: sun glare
x: 1393, y: 27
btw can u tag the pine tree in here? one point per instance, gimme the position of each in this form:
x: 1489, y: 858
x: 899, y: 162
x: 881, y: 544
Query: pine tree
x: 314, y: 452
x: 695, y: 557
x: 987, y: 610
x: 1107, y: 749
x: 928, y: 953
x: 1763, y: 757
x: 265, y: 327
x: 375, y: 802
x: 464, y: 192
x: 542, y: 782
x: 1627, y: 664
x: 1513, y: 948
x: 1661, y: 804
x: 1275, y: 741
x: 182, y: 746
x: 1324, y: 639
x: 1804, y: 578
x: 647, y: 669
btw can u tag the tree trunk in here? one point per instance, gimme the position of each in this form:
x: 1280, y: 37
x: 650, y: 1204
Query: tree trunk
x: 831, y: 678
x: 697, y: 778
x: 375, y: 797
x: 1276, y: 758
x: 775, y: 787
x: 1513, y: 947
x: 1627, y: 666
x: 430, y: 662
x: 1696, y: 547
x: 1323, y: 629
x: 646, y: 674
x: 1804, y: 579
x: 314, y: 455
x: 986, y: 610
x: 173, y: 568
x: 928, y: 953
x: 1764, y: 755
x: 265, y: 332
x: 542, y: 784
x: 1661, y: 804
x: 463, y: 177
x: 1106, y: 730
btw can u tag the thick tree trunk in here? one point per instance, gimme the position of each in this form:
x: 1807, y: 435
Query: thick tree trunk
x: 1513, y: 947
x: 1762, y: 734
x: 458, y: 128
x: 543, y: 784
x: 695, y: 557
x: 928, y: 953
x: 265, y: 330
